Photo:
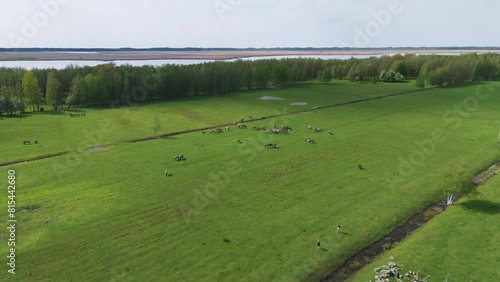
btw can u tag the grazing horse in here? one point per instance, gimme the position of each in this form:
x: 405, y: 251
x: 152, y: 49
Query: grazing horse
x: 179, y: 158
x: 217, y: 130
x: 310, y: 140
x: 26, y: 142
x: 270, y: 145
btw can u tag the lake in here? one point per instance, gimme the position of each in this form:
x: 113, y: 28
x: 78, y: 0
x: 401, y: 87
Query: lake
x: 61, y: 64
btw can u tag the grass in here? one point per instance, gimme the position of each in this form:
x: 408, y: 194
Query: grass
x: 233, y: 211
x: 58, y: 132
x: 460, y: 244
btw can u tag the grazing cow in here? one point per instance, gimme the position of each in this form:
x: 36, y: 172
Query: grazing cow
x: 270, y: 145
x: 242, y: 125
x: 166, y: 171
x: 239, y: 141
x: 256, y: 128
x: 179, y: 158
x: 330, y: 132
x: 310, y: 140
x: 227, y: 128
x: 360, y: 167
x: 316, y: 129
x: 35, y: 141
x: 26, y: 142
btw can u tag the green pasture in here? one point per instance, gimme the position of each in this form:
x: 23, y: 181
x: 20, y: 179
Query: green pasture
x: 236, y: 212
x: 460, y: 244
x: 58, y: 132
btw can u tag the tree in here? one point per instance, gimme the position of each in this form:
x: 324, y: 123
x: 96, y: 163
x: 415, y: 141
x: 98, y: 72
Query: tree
x: 327, y: 75
x: 399, y: 67
x: 31, y: 90
x: 53, y: 91
x: 420, y: 82
x: 76, y: 92
x: 319, y: 76
x: 156, y: 126
x: 280, y: 73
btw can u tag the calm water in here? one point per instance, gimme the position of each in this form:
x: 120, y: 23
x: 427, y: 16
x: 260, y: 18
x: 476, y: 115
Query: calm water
x: 63, y: 64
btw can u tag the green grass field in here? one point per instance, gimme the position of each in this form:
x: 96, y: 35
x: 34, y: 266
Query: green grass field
x: 233, y: 212
x: 461, y: 244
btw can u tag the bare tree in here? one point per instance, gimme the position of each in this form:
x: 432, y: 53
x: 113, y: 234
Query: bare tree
x: 156, y: 126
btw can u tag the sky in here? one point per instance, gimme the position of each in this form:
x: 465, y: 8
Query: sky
x: 248, y: 23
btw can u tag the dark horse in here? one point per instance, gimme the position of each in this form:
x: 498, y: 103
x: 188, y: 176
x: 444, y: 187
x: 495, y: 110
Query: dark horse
x: 270, y: 145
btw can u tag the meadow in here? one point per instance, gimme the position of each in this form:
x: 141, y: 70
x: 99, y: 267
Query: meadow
x: 235, y: 212
x: 458, y: 245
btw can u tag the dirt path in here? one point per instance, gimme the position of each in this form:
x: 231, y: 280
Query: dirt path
x: 368, y: 254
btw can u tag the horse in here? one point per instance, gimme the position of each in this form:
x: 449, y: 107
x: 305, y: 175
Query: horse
x: 270, y: 145
x: 310, y: 140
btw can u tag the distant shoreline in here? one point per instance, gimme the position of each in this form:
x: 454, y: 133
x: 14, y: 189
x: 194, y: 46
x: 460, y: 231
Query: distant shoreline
x: 209, y: 54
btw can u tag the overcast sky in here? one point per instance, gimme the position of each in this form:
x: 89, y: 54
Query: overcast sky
x: 249, y: 23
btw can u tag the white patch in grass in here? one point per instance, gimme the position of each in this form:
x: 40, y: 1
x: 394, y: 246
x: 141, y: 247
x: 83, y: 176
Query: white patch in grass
x: 271, y: 98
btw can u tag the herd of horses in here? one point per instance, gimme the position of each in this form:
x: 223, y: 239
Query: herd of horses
x: 77, y: 115
x: 27, y: 142
x: 284, y: 129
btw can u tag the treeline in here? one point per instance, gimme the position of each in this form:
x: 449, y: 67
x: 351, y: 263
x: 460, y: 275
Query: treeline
x: 22, y: 90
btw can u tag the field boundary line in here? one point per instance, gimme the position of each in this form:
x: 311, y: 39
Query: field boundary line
x: 34, y: 159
